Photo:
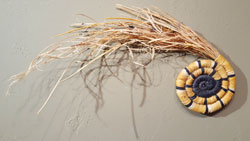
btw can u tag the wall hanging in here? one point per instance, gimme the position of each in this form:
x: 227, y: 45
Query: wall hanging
x: 205, y: 86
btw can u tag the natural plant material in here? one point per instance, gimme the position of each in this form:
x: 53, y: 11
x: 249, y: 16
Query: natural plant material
x: 150, y: 32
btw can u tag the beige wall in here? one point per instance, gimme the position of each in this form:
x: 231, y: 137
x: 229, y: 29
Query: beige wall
x: 28, y: 26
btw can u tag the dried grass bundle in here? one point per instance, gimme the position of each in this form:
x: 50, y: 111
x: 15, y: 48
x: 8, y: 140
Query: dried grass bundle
x: 151, y: 32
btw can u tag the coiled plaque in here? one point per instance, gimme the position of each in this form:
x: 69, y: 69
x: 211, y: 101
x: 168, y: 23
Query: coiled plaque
x: 206, y: 86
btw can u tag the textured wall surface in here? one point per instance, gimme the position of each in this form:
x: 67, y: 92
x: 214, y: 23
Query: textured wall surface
x: 28, y: 26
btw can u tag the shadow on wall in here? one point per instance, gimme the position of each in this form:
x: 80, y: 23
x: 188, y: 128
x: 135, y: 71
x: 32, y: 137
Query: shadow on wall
x: 237, y: 102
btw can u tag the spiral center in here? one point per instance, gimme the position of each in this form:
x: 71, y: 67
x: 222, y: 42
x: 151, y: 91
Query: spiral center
x: 206, y: 86
x: 203, y: 85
